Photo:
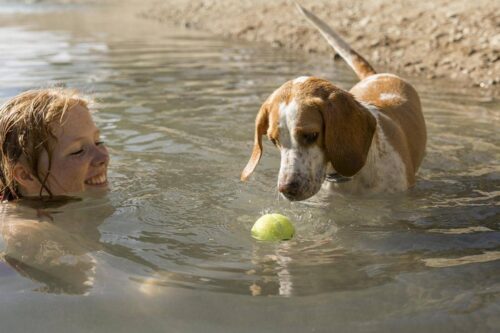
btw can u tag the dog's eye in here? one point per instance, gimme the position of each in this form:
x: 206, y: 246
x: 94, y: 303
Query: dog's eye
x: 310, y: 138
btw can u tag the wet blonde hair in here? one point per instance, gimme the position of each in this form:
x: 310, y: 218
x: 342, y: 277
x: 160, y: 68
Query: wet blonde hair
x: 25, y: 130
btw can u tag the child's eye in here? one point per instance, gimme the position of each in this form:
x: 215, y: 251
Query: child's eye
x: 79, y: 152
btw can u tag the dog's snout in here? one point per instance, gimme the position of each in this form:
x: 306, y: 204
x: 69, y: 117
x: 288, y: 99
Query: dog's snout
x: 289, y: 188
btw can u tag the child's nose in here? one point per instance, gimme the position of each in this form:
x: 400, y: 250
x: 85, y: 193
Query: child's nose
x: 101, y: 156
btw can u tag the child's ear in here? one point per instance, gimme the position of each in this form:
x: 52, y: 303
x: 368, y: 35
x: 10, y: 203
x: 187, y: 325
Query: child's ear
x: 28, y: 183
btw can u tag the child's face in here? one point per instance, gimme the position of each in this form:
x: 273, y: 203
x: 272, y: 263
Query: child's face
x: 79, y: 159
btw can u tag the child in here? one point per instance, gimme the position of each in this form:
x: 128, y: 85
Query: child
x: 49, y: 146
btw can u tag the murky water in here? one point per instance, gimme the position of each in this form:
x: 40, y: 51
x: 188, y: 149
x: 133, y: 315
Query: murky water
x: 169, y: 248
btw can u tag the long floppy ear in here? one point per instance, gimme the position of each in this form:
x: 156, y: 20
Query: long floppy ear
x: 261, y: 125
x: 349, y: 130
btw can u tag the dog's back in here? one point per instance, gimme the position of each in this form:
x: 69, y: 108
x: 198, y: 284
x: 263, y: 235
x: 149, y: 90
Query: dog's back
x: 399, y: 101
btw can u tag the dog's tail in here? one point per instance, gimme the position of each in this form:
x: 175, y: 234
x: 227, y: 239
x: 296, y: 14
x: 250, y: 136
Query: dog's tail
x: 360, y: 66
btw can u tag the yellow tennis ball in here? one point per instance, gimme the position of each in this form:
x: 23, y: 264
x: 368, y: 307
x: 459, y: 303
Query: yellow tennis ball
x: 272, y: 227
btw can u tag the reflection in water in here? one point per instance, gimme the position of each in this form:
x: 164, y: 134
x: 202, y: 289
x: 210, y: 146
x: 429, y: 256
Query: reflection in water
x: 52, y: 242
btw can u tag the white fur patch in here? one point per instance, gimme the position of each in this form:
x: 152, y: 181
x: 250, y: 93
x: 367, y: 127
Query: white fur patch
x: 390, y: 171
x: 372, y: 79
x: 287, y: 121
x: 300, y: 79
x: 368, y: 81
x: 391, y: 97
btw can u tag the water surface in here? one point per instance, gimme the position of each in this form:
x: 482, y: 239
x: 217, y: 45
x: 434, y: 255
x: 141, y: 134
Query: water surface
x: 169, y: 247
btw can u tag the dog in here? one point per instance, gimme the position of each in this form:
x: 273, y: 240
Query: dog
x: 370, y: 139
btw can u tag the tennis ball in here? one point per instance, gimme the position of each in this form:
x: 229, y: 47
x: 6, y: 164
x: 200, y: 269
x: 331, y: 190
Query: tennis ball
x: 272, y: 227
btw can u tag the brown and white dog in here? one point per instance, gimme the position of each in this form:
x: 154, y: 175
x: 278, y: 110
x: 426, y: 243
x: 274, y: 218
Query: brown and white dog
x: 370, y: 139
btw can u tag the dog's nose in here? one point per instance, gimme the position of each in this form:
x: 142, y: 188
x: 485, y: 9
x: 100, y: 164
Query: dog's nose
x: 289, y: 189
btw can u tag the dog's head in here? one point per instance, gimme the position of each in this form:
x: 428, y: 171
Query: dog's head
x: 313, y: 123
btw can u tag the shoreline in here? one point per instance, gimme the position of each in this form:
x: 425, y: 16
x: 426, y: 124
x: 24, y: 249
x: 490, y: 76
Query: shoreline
x: 445, y: 40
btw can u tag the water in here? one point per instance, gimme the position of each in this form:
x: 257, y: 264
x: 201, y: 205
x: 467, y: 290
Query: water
x: 169, y: 247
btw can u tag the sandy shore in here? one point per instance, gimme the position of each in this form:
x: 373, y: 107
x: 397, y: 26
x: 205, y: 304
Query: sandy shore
x: 457, y: 40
